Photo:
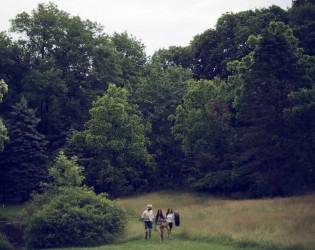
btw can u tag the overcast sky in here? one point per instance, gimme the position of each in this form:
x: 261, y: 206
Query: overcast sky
x: 157, y: 23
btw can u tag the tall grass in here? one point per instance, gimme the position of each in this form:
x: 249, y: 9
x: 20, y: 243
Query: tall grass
x: 279, y: 222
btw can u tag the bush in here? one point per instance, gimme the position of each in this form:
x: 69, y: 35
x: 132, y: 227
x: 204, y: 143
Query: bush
x: 76, y: 216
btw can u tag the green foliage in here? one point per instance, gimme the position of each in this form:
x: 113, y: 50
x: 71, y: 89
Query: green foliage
x: 257, y: 104
x: 158, y: 95
x: 66, y: 214
x: 202, y: 124
x: 66, y: 172
x: 45, y: 89
x: 302, y: 23
x: 115, y: 139
x: 74, y: 217
x: 3, y: 130
x: 23, y: 161
x: 214, y: 48
x: 3, y: 89
x: 300, y: 119
x: 131, y: 56
x: 40, y: 27
x: 69, y: 63
x: 266, y: 77
x: 180, y: 56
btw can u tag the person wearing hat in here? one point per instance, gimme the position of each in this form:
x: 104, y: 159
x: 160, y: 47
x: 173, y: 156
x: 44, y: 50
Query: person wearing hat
x: 148, y: 217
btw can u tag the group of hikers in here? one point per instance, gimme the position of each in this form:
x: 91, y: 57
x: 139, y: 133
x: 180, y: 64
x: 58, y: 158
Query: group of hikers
x: 161, y: 222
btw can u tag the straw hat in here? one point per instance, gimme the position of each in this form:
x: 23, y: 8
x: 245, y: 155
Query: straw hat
x: 149, y: 206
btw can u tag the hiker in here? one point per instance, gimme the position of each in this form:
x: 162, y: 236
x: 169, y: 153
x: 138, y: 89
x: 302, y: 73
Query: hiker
x: 160, y: 223
x: 148, y: 217
x: 169, y: 219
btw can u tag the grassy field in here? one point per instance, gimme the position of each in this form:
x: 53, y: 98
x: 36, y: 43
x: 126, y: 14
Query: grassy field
x: 214, y: 223
x: 280, y: 223
x: 167, y: 245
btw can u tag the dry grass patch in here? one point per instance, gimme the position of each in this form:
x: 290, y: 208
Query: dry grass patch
x: 283, y: 222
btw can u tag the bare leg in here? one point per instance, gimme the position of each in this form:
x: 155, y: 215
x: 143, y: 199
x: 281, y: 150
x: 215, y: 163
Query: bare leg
x: 160, y: 234
x: 169, y: 232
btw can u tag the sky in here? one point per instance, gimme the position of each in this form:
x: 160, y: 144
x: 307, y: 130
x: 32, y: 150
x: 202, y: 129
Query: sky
x: 157, y: 24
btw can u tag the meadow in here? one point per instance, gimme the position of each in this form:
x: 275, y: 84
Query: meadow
x: 208, y: 222
x: 278, y: 223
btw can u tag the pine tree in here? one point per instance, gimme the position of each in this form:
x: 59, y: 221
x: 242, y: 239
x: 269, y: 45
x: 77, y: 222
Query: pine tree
x: 23, y: 163
x: 268, y: 75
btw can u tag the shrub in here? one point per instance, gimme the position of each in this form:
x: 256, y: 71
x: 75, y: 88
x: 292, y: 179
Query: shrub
x: 76, y: 216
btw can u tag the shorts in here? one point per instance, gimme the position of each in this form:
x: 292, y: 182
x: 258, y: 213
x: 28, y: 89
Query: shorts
x: 148, y: 224
x: 170, y: 224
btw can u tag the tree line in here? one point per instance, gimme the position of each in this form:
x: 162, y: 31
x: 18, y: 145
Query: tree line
x: 231, y: 112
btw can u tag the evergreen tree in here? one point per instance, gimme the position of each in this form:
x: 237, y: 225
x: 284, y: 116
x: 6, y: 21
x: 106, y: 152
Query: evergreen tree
x: 23, y: 163
x: 274, y: 69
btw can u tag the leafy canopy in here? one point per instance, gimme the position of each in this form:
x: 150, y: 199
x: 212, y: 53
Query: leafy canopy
x: 115, y: 140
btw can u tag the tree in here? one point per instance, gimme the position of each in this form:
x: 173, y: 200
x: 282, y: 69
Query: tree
x: 68, y: 214
x: 46, y: 91
x: 3, y: 131
x: 302, y: 23
x: 66, y: 173
x: 180, y: 56
x: 3, y: 135
x: 23, y: 163
x: 157, y: 94
x: 70, y: 62
x: 214, y: 48
x: 13, y: 66
x: 43, y: 28
x: 114, y: 145
x: 266, y: 77
x: 131, y: 56
x: 202, y: 125
x: 300, y: 120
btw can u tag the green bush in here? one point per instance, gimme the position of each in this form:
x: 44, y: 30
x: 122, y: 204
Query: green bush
x: 76, y: 216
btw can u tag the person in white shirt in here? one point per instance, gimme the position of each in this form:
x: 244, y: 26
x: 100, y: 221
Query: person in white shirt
x: 169, y: 219
x: 148, y: 217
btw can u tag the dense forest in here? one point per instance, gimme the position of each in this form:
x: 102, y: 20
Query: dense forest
x: 233, y: 112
